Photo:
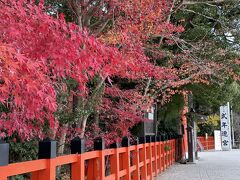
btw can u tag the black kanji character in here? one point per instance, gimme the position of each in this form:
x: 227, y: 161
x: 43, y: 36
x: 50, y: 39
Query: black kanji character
x: 224, y: 124
x: 225, y: 134
x: 224, y: 116
x: 225, y: 142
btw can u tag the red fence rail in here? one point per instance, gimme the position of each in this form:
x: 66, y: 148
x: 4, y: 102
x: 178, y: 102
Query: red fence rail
x: 141, y: 161
x: 208, y: 143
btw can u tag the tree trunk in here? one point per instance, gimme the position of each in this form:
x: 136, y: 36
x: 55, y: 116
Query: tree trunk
x: 60, y: 149
x: 83, y: 125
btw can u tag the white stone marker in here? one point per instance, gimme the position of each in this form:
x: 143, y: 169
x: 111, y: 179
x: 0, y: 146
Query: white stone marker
x: 225, y: 127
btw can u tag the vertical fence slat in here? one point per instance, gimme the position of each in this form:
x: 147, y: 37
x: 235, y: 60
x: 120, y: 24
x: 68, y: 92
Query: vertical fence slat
x: 143, y: 158
x: 162, y: 156
x: 155, y: 156
x: 165, y: 154
x: 159, y: 154
x: 114, y: 163
x: 150, y: 169
x: 136, y: 173
x: 126, y: 157
x: 77, y: 169
x: 172, y: 150
x: 149, y: 157
x: 99, y: 144
x: 102, y: 165
x: 169, y: 152
x: 91, y: 169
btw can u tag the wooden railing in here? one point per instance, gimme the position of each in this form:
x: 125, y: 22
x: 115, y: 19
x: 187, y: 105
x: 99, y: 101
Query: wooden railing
x: 142, y: 161
x: 207, y: 143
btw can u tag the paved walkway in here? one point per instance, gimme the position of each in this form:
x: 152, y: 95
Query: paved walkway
x: 221, y: 165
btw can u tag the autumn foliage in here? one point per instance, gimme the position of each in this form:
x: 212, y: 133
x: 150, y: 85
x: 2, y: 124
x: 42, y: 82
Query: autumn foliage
x: 40, y: 53
x: 44, y: 51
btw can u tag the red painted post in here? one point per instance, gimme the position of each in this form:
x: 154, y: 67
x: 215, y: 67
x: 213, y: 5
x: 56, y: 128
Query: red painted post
x: 171, y: 150
x: 102, y: 165
x: 99, y: 145
x: 136, y: 173
x: 92, y: 163
x: 162, y: 156
x: 159, y: 154
x: 114, y: 161
x: 78, y: 169
x: 165, y: 154
x: 149, y: 156
x: 47, y: 150
x: 126, y: 157
x: 155, y: 157
x: 150, y: 169
x: 143, y: 157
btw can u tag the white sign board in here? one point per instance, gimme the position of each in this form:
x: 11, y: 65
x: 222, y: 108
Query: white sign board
x: 217, y: 140
x: 225, y: 127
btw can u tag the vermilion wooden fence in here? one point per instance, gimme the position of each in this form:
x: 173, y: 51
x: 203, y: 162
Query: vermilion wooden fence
x: 141, y: 161
x: 208, y: 143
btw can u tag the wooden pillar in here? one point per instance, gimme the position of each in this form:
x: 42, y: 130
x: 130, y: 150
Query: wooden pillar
x: 99, y: 144
x: 126, y: 157
x: 47, y: 150
x: 77, y: 168
x: 114, y: 160
x: 143, y: 157
x: 136, y: 173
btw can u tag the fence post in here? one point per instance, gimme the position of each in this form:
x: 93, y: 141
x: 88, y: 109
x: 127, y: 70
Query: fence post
x: 154, y: 164
x: 4, y: 158
x: 159, y: 154
x: 172, y: 155
x: 167, y: 150
x: 174, y: 147
x: 163, y: 152
x: 143, y: 156
x: 136, y: 173
x: 149, y: 154
x: 47, y: 150
x: 126, y: 157
x: 170, y: 150
x: 114, y: 160
x: 77, y: 168
x: 99, y: 145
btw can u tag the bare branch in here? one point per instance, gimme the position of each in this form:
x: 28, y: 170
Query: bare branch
x: 209, y: 3
x: 208, y: 17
